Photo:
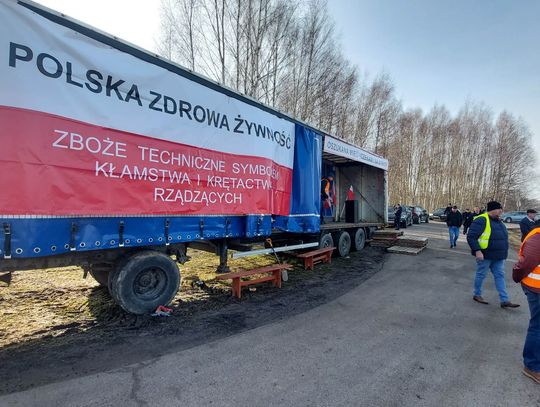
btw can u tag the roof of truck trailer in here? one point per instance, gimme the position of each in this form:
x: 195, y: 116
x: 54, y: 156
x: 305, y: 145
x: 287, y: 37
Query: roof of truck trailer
x: 341, y: 152
x: 147, y: 56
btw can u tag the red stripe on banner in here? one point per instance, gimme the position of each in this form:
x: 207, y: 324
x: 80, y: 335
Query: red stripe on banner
x: 51, y: 165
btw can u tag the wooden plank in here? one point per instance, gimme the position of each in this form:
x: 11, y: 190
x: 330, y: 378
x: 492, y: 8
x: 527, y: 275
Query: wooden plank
x: 405, y: 250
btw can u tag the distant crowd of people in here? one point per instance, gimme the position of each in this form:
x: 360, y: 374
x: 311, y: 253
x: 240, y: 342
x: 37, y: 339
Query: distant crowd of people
x: 455, y: 219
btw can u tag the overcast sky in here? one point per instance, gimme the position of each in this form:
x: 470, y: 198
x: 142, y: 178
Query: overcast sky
x: 435, y: 51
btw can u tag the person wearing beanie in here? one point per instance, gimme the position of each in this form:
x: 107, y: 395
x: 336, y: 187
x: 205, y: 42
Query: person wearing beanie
x: 488, y: 240
x: 454, y: 220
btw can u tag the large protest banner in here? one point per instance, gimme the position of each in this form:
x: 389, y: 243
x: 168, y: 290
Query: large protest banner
x: 88, y: 129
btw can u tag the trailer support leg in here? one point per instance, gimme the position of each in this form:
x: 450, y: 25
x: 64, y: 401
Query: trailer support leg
x: 223, y: 251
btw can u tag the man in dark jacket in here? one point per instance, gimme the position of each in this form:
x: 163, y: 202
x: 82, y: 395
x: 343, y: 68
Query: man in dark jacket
x: 397, y: 216
x: 454, y: 220
x: 448, y: 209
x: 489, y: 244
x: 527, y: 223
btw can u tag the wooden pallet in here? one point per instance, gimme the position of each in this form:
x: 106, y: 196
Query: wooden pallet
x: 405, y: 250
x: 412, y: 241
x: 383, y: 242
x: 387, y: 233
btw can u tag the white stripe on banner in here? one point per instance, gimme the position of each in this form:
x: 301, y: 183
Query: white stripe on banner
x: 49, y: 68
x: 534, y: 276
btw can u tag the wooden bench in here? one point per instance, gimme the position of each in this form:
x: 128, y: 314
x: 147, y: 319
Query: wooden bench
x: 237, y: 282
x: 323, y: 255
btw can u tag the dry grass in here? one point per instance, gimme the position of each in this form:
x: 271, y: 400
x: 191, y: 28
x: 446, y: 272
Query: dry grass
x: 514, y: 236
x: 41, y: 303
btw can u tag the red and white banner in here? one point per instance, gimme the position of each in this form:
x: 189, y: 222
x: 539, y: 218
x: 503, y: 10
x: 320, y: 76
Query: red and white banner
x: 86, y: 129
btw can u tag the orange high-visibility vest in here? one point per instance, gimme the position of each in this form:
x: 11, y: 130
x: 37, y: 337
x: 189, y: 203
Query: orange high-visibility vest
x: 533, y: 279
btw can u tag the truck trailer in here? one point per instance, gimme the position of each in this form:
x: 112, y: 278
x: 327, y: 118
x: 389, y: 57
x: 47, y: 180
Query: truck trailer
x: 117, y: 160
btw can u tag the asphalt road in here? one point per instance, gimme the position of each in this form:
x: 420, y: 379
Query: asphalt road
x: 409, y: 336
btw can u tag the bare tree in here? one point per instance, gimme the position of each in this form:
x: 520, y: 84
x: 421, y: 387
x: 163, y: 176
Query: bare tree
x: 285, y: 53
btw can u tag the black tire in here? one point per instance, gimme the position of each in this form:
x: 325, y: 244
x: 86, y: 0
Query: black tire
x: 100, y: 273
x: 427, y: 219
x: 508, y: 220
x: 404, y: 225
x: 359, y: 239
x: 143, y: 281
x: 111, y: 284
x: 326, y: 241
x: 344, y: 244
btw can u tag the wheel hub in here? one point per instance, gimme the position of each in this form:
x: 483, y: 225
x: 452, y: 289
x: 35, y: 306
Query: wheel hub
x: 150, y: 283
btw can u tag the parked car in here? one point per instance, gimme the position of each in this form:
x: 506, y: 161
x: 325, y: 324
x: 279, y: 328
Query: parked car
x: 513, y: 217
x: 419, y: 215
x: 438, y: 214
x: 406, y: 216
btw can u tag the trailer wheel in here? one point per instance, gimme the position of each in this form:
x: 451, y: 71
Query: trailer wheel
x: 359, y: 239
x: 344, y: 244
x: 326, y: 241
x: 143, y: 281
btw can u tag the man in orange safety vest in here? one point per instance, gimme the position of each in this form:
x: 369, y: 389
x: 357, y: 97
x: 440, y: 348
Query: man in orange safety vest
x: 527, y: 272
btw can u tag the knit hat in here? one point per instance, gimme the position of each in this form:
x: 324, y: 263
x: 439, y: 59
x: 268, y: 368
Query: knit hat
x: 492, y: 205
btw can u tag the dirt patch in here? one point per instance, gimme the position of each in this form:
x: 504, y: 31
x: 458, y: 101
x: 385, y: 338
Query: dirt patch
x: 55, y: 325
x: 45, y: 303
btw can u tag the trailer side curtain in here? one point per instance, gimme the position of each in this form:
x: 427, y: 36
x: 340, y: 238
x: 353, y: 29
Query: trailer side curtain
x: 305, y: 194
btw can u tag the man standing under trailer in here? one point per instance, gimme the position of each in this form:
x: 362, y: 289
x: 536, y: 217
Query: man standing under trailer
x: 488, y: 240
x: 326, y: 196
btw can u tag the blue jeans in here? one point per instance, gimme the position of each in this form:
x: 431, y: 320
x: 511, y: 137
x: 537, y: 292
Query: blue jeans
x: 531, y: 350
x: 497, y: 268
x: 454, y: 234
